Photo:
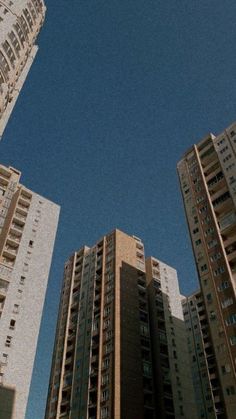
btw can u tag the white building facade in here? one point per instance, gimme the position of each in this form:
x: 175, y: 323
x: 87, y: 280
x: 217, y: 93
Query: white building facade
x: 28, y: 224
x: 20, y: 23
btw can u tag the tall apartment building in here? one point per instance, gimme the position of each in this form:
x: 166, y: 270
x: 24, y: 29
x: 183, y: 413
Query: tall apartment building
x: 20, y: 23
x: 208, y: 392
x: 103, y: 363
x: 173, y: 381
x: 207, y: 175
x: 28, y: 224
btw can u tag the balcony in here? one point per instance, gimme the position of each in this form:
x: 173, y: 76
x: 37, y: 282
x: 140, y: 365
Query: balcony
x: 10, y: 252
x: 13, y: 240
x: 217, y: 185
x: 211, y: 170
x: 7, y: 262
x: 2, y: 300
x: 232, y: 256
x: 94, y: 359
x: 20, y: 216
x: 93, y: 372
x: 3, y: 181
x: 3, y: 288
x: 25, y: 195
x: 68, y: 360
x: 5, y: 272
x: 22, y: 202
x: 22, y: 207
x: 16, y: 228
x: 93, y: 389
x: 222, y: 204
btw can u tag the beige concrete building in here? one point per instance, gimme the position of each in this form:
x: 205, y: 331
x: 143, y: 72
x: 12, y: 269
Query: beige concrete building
x: 28, y: 224
x: 208, y: 182
x: 103, y: 362
x: 20, y: 23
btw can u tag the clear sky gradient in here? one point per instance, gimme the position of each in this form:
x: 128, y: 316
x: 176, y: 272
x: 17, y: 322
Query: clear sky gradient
x: 118, y: 91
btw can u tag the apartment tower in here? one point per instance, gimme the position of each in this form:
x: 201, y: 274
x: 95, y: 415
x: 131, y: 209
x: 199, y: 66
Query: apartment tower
x: 28, y: 224
x: 171, y: 366
x: 20, y: 23
x: 208, y: 394
x: 207, y: 175
x: 103, y: 364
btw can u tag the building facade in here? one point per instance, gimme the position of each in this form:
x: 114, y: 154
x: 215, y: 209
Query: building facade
x: 28, y: 224
x: 208, y: 393
x: 207, y: 175
x: 20, y: 23
x: 103, y: 363
x: 173, y: 382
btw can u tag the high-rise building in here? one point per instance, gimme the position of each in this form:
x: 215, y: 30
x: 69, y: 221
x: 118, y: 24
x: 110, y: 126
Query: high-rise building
x: 104, y: 361
x: 207, y: 175
x: 28, y: 224
x: 173, y: 381
x: 208, y: 394
x: 20, y: 23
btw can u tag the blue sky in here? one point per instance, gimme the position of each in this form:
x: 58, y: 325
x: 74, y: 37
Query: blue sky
x: 118, y: 91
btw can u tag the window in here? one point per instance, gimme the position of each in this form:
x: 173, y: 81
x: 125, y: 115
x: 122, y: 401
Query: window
x: 109, y: 335
x: 105, y: 395
x: 221, y: 199
x: 19, y: 293
x: 232, y: 340
x: 211, y: 244
x: 219, y: 271
x: 203, y: 209
x: 215, y: 257
x: 15, y: 43
x: 223, y: 285
x: 22, y: 280
x: 209, y: 298
x: 104, y: 412
x: 26, y: 267
x: 105, y: 379
x: 8, y: 341
x: 108, y: 348
x: 230, y: 390
x: 200, y: 199
x: 107, y: 311
x: 147, y: 369
x: 9, y: 52
x: 204, y: 268
x: 225, y: 368
x: 231, y: 319
x: 16, y: 308
x: 4, y: 65
x: 212, y: 315
x: 226, y: 303
x: 197, y: 242
x: 31, y: 243
x: 106, y: 363
x: 144, y: 330
x: 12, y: 324
x: 4, y: 358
